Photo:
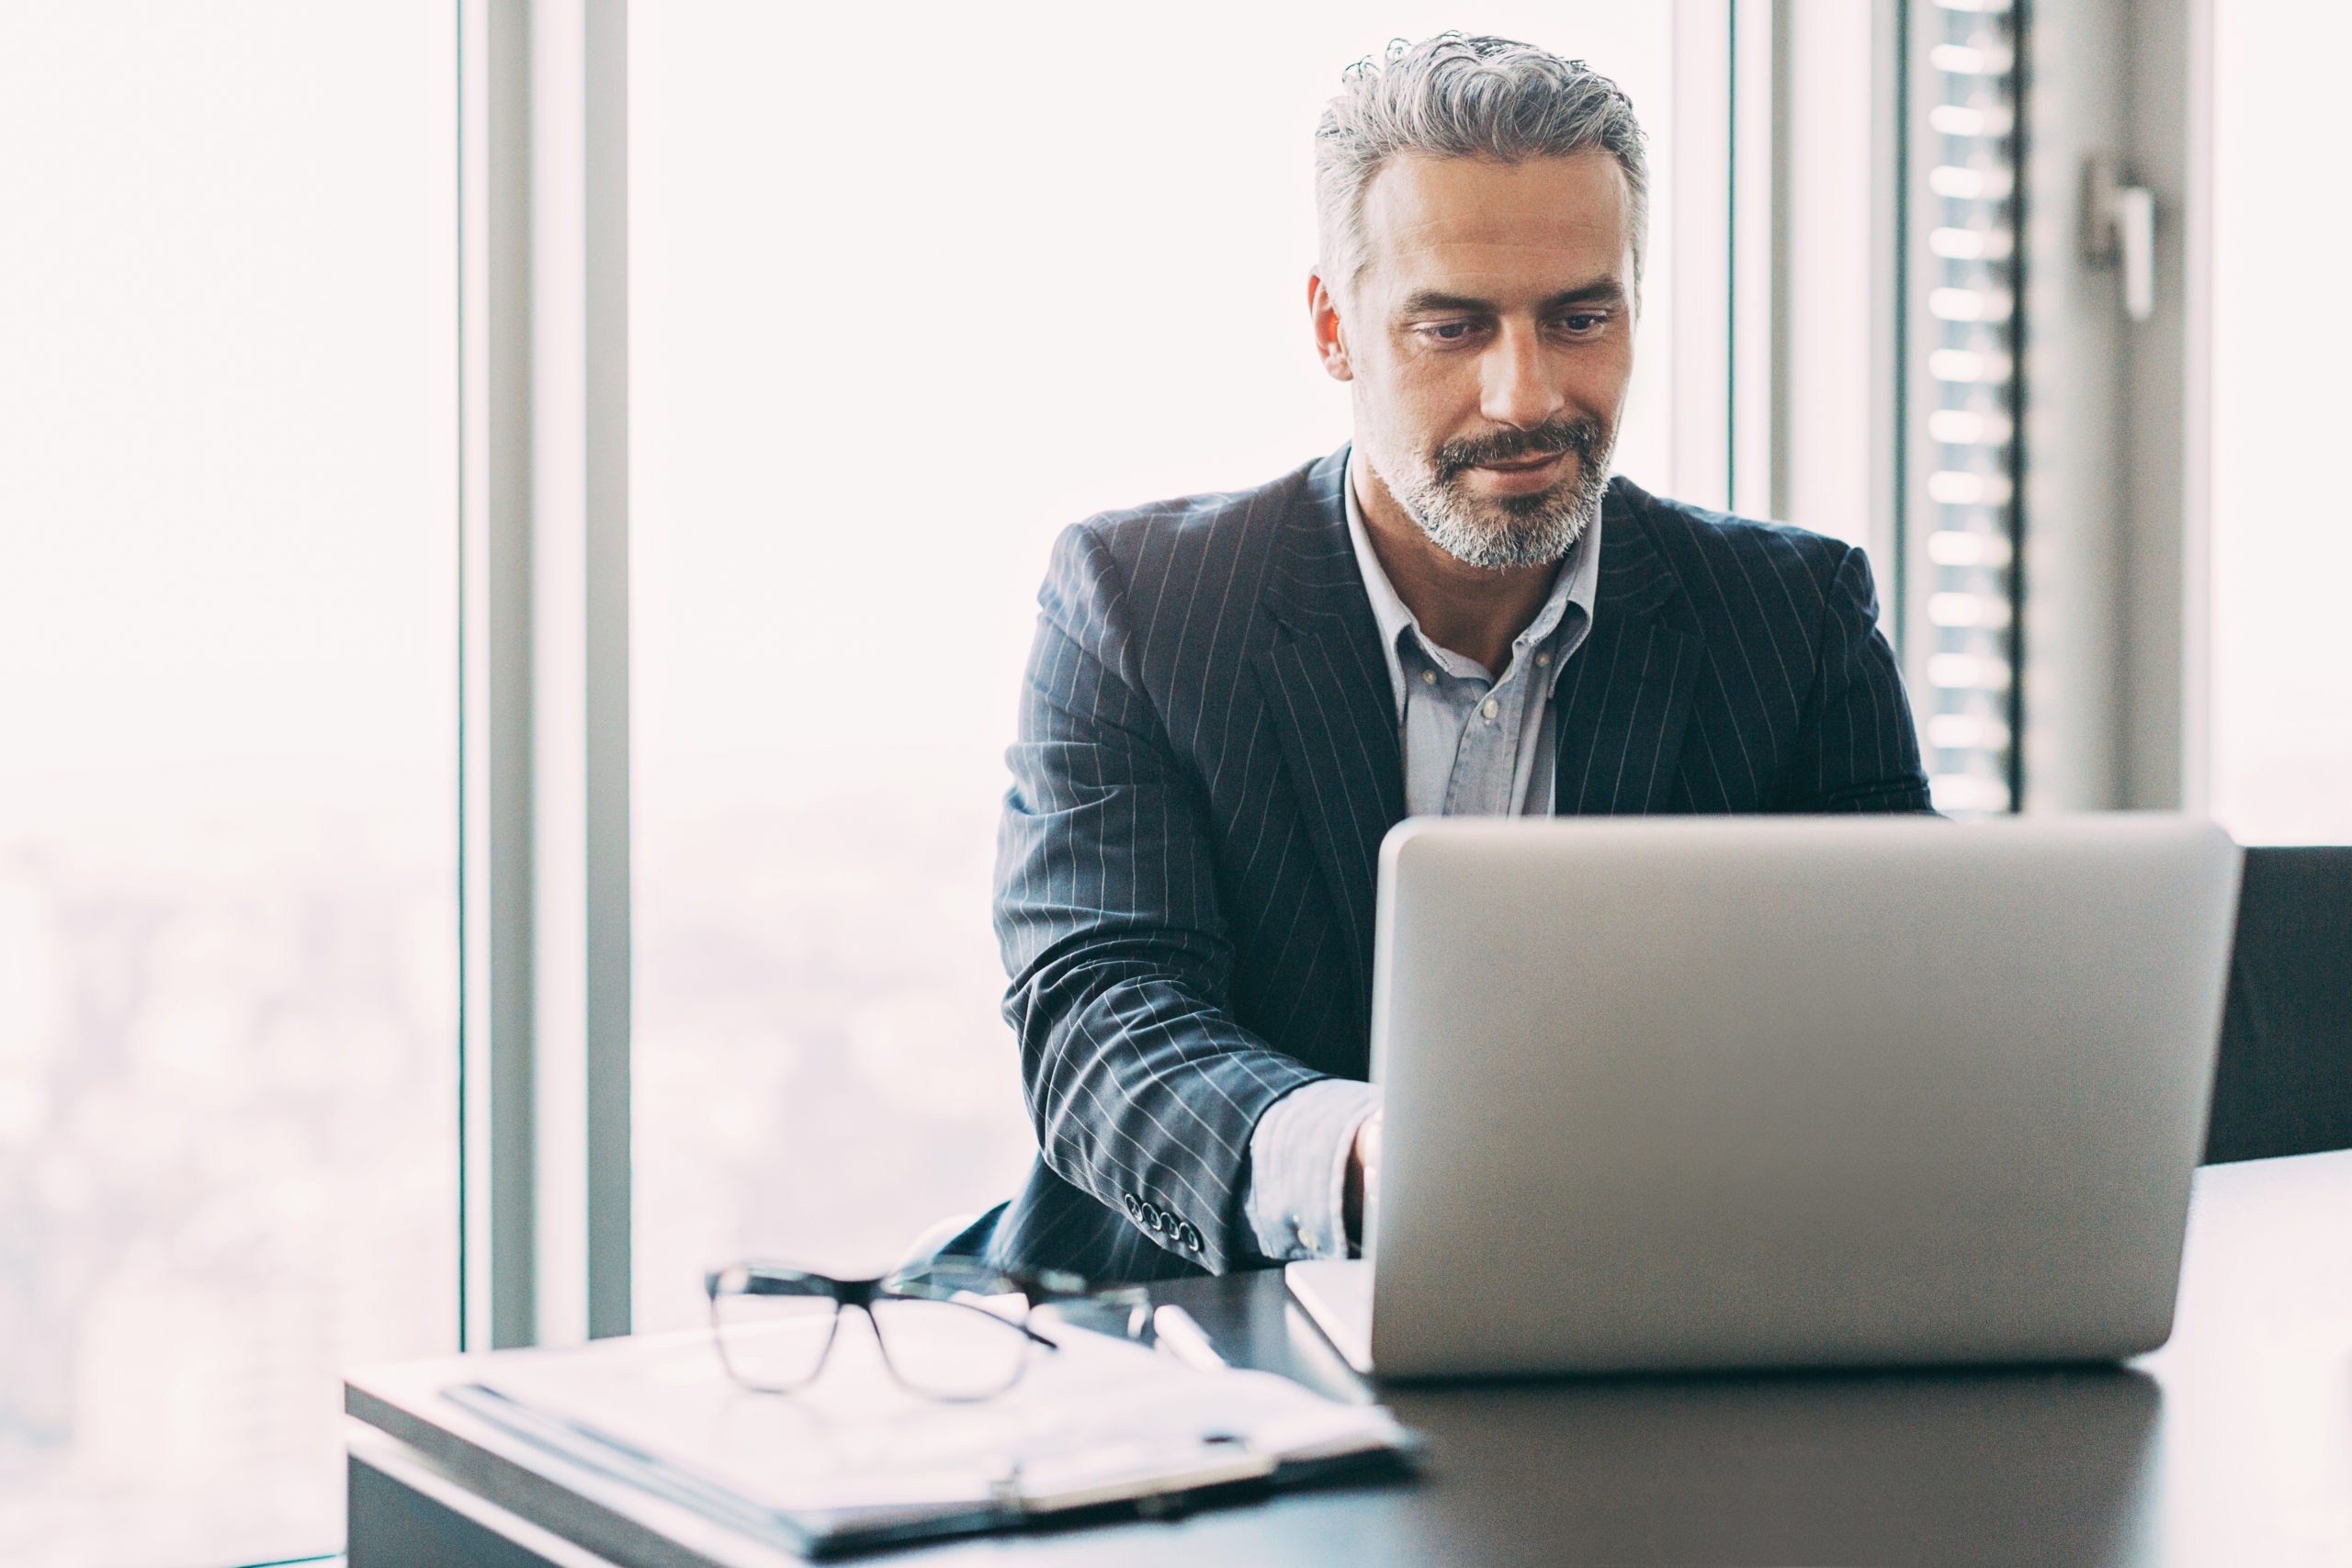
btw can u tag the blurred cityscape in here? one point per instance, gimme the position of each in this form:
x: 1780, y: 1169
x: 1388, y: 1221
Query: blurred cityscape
x: 228, y: 1153
x: 227, y: 1170
x: 821, y: 1070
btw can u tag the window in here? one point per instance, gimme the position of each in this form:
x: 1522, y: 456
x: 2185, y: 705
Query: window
x: 227, y: 795
x: 902, y: 308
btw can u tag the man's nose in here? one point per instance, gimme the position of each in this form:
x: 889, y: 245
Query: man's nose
x: 1519, y: 390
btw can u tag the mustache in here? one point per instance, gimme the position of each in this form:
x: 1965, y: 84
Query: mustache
x: 1581, y: 436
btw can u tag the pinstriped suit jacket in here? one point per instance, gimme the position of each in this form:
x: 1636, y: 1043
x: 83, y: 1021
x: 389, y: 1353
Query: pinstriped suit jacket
x: 1209, y: 760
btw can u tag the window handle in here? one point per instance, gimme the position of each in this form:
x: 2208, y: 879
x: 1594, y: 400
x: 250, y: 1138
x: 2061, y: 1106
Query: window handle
x: 2119, y: 230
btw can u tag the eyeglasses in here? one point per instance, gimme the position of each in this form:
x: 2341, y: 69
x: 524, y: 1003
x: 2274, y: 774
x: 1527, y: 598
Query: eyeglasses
x: 947, y: 1331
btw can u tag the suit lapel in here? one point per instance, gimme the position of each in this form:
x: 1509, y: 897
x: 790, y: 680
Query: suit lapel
x: 1625, y: 698
x: 1327, y: 689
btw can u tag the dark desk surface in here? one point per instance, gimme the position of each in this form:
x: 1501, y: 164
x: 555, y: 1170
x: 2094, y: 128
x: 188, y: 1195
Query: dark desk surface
x: 2233, y: 1445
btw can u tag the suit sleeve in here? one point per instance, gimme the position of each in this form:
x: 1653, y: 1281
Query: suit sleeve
x: 1858, y: 750
x: 1142, y: 1089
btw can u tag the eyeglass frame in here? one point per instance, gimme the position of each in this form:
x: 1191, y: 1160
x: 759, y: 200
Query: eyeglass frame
x: 943, y: 1281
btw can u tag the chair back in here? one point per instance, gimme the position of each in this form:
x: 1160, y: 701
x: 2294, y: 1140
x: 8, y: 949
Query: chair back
x: 2283, y: 1085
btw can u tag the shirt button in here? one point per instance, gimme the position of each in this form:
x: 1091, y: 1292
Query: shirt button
x: 1489, y: 707
x: 1542, y: 659
x: 1429, y: 677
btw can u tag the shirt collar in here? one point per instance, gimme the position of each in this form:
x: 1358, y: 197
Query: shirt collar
x: 1577, y: 583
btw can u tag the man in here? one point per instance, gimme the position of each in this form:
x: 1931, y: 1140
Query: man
x: 1232, y: 698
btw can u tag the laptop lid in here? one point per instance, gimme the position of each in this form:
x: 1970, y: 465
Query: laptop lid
x: 1767, y: 1092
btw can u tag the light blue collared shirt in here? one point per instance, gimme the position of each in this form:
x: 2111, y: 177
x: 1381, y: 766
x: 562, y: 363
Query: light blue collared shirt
x: 1473, y: 744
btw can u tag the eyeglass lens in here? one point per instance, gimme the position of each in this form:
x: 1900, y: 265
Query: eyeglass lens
x: 950, y: 1349
x: 773, y: 1334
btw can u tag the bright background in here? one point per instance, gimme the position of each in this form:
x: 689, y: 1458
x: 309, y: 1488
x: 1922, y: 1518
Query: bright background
x: 2282, y: 517
x: 228, y: 946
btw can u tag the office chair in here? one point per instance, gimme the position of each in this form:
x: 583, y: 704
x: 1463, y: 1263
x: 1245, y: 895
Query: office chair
x: 2283, y: 1085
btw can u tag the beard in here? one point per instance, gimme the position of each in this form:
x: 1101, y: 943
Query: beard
x: 1503, y: 532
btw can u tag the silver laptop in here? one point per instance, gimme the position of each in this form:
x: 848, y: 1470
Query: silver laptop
x: 1783, y: 1092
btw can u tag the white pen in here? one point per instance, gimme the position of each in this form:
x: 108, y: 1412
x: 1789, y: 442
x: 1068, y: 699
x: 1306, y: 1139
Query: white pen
x: 1175, y: 1332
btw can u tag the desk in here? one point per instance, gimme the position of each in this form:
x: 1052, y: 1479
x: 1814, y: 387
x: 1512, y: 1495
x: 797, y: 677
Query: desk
x: 2232, y: 1445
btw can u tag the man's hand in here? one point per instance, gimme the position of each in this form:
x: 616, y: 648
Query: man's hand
x: 1362, y: 1187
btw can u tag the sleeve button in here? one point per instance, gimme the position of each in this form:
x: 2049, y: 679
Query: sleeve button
x: 1134, y: 1203
x: 1190, y: 1237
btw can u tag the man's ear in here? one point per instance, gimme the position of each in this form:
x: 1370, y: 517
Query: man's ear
x: 1331, y: 339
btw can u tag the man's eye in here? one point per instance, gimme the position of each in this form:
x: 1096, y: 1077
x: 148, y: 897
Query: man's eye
x: 1448, y: 331
x: 1582, y: 322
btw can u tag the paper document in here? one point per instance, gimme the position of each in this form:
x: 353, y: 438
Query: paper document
x: 853, y: 1458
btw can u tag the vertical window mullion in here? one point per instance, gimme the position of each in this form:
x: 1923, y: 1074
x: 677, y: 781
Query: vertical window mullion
x: 547, y: 716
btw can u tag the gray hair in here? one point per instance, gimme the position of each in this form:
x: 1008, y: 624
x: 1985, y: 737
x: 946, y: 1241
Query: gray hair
x: 1451, y: 97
